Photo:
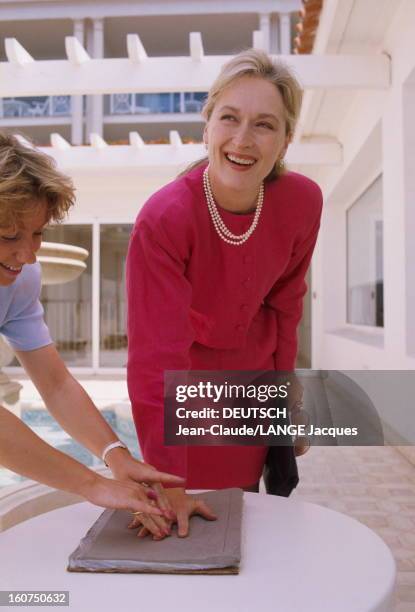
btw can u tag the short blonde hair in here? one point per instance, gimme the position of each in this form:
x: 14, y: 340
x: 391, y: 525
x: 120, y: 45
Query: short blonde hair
x: 27, y: 178
x: 256, y: 63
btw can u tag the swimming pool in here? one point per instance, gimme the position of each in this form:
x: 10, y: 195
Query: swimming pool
x: 44, y: 425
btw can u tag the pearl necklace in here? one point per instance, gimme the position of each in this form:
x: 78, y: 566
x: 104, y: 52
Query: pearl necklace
x: 219, y: 225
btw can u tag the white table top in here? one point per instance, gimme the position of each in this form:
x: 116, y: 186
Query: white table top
x: 296, y: 557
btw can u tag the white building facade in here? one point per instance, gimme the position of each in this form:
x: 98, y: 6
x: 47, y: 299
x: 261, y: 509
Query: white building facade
x: 87, y: 317
x: 357, y: 123
x: 363, y: 284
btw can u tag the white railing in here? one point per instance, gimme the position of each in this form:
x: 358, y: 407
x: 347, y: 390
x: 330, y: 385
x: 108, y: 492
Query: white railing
x: 113, y: 325
x: 70, y: 323
x: 141, y: 104
x: 39, y: 106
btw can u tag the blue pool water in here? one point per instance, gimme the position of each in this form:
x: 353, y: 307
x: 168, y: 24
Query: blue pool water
x: 43, y: 424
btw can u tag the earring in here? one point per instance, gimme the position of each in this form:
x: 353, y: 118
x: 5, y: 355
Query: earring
x: 280, y: 165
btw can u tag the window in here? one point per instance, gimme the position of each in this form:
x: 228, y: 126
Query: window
x: 365, y: 258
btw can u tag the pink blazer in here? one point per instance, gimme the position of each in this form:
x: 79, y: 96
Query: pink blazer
x: 185, y: 285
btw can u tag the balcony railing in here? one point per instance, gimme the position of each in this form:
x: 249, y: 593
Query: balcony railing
x: 119, y: 104
x: 39, y: 106
x: 69, y: 322
x: 113, y: 324
x: 157, y: 103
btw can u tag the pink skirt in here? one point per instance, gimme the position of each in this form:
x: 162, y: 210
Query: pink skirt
x: 219, y: 467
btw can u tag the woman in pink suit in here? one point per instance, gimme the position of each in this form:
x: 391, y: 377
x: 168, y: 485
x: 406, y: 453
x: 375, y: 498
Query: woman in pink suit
x: 216, y: 268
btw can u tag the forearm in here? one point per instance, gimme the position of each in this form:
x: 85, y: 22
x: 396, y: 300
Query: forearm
x: 23, y: 452
x: 66, y: 400
x: 75, y: 412
x: 149, y: 425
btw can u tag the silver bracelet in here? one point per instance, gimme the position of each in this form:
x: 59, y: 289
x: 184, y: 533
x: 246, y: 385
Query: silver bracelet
x: 109, y: 447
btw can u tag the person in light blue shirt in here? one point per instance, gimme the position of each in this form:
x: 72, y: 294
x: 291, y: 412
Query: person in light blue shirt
x: 21, y: 313
x: 34, y: 193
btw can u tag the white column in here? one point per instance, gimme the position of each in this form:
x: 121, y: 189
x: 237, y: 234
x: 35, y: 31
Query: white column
x: 409, y: 178
x: 285, y: 34
x: 398, y: 138
x: 265, y: 27
x: 274, y: 43
x: 95, y: 104
x: 182, y: 103
x: 77, y: 101
x: 96, y: 266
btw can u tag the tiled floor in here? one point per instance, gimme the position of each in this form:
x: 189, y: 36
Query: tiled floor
x: 375, y: 485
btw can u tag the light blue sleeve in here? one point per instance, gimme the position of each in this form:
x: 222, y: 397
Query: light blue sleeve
x: 24, y: 325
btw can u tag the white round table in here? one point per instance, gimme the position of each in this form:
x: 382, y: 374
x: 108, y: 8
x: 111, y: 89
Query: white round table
x: 296, y: 557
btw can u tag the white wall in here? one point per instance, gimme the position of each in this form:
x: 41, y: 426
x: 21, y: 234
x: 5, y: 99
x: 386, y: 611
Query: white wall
x: 113, y: 196
x: 378, y: 135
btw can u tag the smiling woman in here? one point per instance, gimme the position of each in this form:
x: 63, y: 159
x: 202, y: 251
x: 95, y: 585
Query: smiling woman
x: 244, y: 141
x: 216, y: 267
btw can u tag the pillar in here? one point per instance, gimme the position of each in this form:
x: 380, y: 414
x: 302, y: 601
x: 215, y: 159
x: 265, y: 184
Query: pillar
x: 398, y: 139
x: 77, y: 111
x: 285, y: 34
x: 95, y: 104
x: 265, y: 27
x: 274, y: 43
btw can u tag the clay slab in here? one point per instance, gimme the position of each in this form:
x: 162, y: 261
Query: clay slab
x: 212, y: 546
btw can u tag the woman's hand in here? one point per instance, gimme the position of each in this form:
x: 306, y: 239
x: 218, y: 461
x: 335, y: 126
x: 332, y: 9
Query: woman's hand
x: 298, y: 416
x: 115, y: 494
x: 125, y: 467
x: 184, y: 506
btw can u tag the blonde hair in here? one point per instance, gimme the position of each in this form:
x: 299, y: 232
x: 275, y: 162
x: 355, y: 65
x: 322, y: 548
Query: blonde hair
x: 256, y: 63
x: 28, y: 178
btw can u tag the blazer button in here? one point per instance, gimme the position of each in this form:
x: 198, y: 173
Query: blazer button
x: 239, y: 328
x: 247, y: 283
x: 244, y: 307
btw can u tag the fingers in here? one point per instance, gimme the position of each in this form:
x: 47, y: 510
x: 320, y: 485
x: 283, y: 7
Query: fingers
x: 204, y: 510
x: 152, y: 507
x: 143, y: 532
x: 165, y: 478
x: 201, y: 508
x: 142, y: 506
x: 162, y: 526
x: 299, y: 416
x: 301, y: 445
x: 158, y: 497
x: 156, y: 525
x: 135, y: 522
x: 163, y: 501
x: 182, y: 523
